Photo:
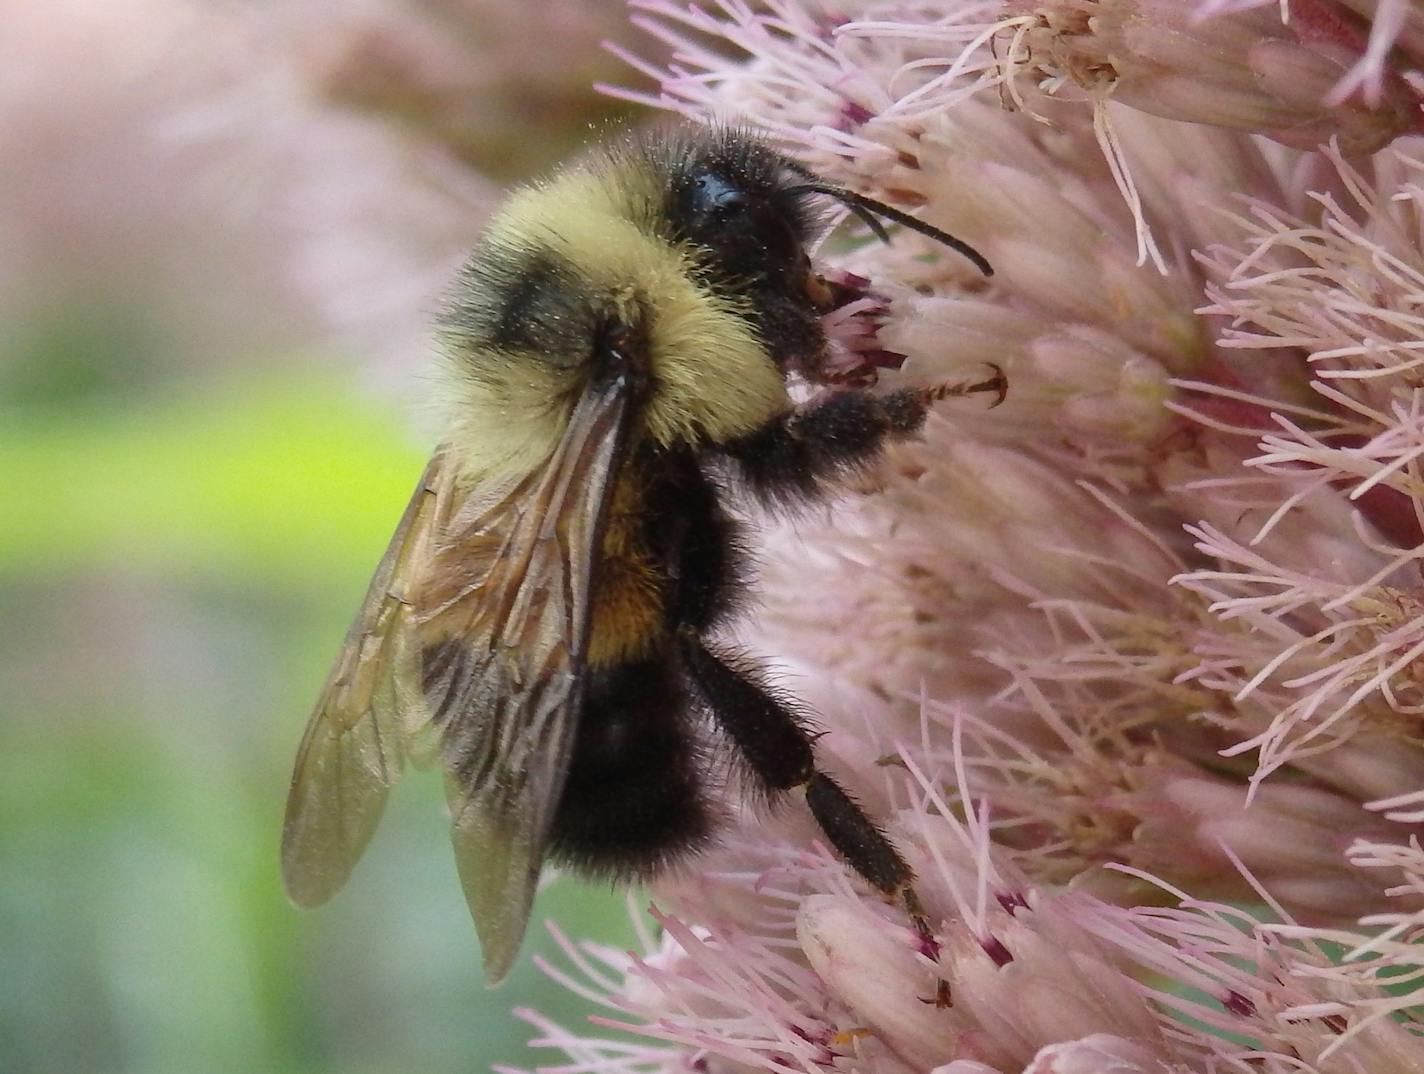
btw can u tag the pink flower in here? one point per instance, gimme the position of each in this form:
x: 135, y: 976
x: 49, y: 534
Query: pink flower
x: 1239, y: 66
x: 1147, y: 632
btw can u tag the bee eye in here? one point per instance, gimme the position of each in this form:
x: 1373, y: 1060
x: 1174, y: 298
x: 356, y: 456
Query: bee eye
x: 715, y: 199
x: 744, y: 228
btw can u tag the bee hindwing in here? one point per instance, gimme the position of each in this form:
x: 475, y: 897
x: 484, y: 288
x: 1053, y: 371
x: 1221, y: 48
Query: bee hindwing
x: 356, y: 741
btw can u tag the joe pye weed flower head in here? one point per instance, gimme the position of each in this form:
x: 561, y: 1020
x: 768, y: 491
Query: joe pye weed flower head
x: 1131, y: 666
x: 1145, y: 636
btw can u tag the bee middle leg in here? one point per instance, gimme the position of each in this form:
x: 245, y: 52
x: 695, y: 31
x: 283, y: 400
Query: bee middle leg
x: 778, y: 748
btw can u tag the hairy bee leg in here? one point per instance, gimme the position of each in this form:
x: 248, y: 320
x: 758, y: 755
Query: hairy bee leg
x: 793, y: 456
x: 779, y: 749
x: 869, y: 851
x: 766, y: 730
x: 858, y: 838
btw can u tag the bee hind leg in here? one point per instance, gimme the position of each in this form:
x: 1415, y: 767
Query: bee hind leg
x: 773, y: 738
x: 865, y: 846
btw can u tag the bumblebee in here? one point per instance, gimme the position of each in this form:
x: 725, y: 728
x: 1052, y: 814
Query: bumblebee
x: 616, y: 358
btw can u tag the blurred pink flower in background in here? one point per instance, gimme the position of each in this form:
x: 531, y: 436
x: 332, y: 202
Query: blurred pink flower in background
x: 445, y: 101
x: 263, y: 177
x: 93, y: 211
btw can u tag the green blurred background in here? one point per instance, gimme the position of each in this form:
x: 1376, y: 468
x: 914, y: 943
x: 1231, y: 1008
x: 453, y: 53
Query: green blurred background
x: 199, y: 469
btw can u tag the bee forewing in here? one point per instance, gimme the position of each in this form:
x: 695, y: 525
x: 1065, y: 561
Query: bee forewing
x: 503, y: 614
x: 355, y: 744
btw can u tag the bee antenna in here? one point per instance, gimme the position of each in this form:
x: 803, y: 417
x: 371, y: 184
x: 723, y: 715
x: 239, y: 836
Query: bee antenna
x: 850, y: 201
x: 869, y: 210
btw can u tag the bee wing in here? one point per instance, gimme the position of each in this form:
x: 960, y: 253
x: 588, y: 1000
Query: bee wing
x: 504, y: 626
x: 355, y: 744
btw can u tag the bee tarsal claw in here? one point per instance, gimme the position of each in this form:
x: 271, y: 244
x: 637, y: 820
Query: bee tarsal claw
x: 998, y: 383
x: 929, y: 945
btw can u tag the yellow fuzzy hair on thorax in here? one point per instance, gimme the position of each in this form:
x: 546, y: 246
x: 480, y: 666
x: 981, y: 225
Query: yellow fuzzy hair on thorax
x: 713, y: 380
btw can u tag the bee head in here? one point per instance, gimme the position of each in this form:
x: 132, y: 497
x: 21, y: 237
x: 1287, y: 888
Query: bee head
x: 733, y: 203
x: 748, y: 214
x: 743, y: 218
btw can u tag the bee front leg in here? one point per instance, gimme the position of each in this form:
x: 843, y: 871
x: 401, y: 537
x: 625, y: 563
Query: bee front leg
x: 794, y: 456
x: 773, y: 738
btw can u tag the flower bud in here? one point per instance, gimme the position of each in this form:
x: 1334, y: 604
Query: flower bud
x: 872, y: 966
x: 1246, y: 70
x: 1100, y: 1053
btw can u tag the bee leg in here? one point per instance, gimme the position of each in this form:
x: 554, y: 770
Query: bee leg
x: 865, y: 846
x: 793, y: 456
x: 996, y: 383
x: 778, y: 747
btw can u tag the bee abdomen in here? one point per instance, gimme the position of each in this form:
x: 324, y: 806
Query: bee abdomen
x: 627, y: 611
x: 634, y: 800
x: 631, y: 587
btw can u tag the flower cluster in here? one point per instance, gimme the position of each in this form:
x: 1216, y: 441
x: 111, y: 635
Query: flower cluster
x: 1139, y: 649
